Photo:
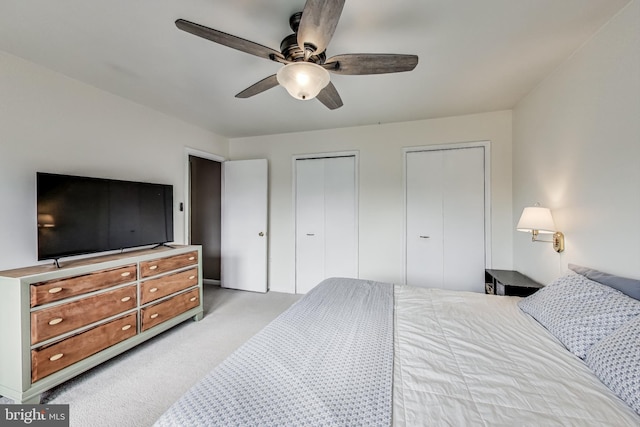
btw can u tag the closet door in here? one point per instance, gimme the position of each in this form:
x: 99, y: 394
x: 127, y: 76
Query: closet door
x: 463, y: 219
x: 445, y: 224
x: 310, y: 250
x: 425, y: 257
x: 326, y: 220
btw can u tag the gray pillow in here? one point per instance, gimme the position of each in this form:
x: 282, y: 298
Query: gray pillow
x: 616, y: 361
x: 625, y: 285
x: 580, y: 312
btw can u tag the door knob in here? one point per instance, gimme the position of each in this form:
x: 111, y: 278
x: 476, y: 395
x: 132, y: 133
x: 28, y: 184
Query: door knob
x: 261, y: 234
x: 425, y: 237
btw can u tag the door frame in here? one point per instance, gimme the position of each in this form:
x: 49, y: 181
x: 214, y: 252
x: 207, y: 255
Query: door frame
x: 486, y: 145
x: 187, y: 185
x: 325, y: 155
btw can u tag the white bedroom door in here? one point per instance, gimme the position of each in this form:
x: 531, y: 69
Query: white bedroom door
x: 326, y: 220
x: 445, y: 218
x: 244, y: 225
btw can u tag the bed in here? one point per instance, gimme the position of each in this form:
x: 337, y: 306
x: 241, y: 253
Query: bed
x: 358, y: 352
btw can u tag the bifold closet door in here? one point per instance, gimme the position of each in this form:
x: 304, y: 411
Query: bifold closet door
x: 326, y: 230
x: 425, y: 257
x: 445, y: 219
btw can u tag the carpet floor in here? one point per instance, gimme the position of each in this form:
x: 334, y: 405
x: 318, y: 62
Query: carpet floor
x: 136, y: 387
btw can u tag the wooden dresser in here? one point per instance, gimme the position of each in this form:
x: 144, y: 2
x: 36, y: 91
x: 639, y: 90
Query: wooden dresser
x: 58, y: 322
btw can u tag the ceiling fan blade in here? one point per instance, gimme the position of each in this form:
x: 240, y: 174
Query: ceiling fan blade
x: 229, y: 40
x: 370, y: 63
x: 261, y: 86
x: 329, y: 97
x: 318, y: 23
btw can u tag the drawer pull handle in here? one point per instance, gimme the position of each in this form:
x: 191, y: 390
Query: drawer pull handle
x: 56, y: 357
x: 55, y: 321
x: 125, y: 274
x: 125, y: 327
x: 154, y: 315
x: 152, y: 290
x: 153, y: 267
x: 192, y: 277
x: 125, y: 299
x: 193, y: 299
x: 191, y: 258
x: 55, y: 290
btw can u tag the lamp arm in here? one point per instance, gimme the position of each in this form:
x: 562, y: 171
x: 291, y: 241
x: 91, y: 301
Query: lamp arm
x: 557, y: 240
x: 534, y: 237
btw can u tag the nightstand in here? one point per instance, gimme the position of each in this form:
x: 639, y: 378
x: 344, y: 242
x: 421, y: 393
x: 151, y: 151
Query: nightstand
x: 508, y: 282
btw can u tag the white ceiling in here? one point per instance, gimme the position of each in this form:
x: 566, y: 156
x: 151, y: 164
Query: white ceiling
x: 475, y: 56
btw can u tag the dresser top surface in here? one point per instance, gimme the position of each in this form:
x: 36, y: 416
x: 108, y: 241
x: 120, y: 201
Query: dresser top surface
x: 65, y: 265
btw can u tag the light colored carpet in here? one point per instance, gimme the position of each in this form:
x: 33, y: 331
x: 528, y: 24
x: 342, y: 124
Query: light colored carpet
x: 136, y: 387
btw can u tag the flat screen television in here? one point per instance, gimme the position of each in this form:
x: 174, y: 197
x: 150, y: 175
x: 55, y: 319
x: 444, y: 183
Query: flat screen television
x: 81, y: 215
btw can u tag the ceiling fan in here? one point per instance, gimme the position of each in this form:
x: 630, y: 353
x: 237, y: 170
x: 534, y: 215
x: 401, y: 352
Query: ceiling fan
x: 305, y: 73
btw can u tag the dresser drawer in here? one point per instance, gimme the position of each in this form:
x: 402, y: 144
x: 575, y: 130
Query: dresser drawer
x: 56, y: 290
x: 165, y: 310
x: 49, y: 359
x: 163, y: 265
x: 153, y: 289
x: 57, y: 320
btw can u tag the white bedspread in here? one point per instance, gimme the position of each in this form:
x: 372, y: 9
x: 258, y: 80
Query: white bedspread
x: 466, y: 359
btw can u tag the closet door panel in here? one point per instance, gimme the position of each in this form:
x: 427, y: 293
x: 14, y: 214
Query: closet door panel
x: 310, y: 235
x: 424, y: 263
x: 340, y: 217
x: 326, y: 220
x: 445, y: 218
x: 463, y: 222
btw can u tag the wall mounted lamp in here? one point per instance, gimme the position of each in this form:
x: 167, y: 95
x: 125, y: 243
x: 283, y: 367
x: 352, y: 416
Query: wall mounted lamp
x: 538, y: 220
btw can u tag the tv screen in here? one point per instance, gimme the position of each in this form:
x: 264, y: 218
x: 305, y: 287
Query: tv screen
x: 81, y: 215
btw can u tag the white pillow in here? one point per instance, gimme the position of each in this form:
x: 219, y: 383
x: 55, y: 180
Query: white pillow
x: 580, y: 312
x: 616, y: 361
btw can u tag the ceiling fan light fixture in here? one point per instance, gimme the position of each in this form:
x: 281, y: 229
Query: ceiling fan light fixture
x: 303, y: 80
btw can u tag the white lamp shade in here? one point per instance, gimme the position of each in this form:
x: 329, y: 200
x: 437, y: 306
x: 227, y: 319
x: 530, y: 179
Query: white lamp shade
x: 536, y: 218
x: 303, y: 80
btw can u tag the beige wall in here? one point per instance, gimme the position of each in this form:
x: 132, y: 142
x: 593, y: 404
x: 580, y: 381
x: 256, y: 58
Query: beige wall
x: 577, y: 151
x: 51, y: 123
x: 381, y: 186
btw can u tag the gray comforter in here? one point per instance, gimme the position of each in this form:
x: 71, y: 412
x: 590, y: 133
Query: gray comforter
x: 326, y: 361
